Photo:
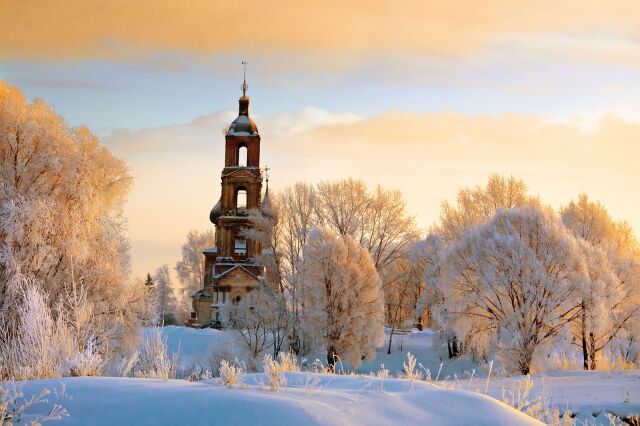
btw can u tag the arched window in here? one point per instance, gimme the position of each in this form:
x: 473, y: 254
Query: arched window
x: 241, y: 199
x: 240, y: 246
x: 236, y: 300
x: 242, y: 156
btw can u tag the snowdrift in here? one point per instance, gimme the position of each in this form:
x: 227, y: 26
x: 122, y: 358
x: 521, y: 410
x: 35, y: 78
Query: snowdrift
x: 307, y: 399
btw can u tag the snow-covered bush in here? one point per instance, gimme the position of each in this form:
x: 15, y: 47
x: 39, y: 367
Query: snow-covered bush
x: 231, y: 375
x: 343, y: 298
x: 537, y: 405
x: 151, y: 359
x: 288, y: 361
x: 273, y: 372
x: 230, y: 349
x: 14, y: 404
x: 409, y: 370
x: 87, y: 363
x: 39, y: 347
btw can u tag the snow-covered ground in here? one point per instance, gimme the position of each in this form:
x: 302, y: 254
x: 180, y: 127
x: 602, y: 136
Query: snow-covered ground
x: 307, y: 399
x: 590, y: 395
x: 584, y: 393
x: 456, y: 398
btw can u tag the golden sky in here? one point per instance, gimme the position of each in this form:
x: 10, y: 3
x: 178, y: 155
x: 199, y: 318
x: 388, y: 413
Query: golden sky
x: 124, y: 28
x: 424, y: 96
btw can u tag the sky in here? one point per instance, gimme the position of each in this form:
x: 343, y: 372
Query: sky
x: 424, y: 96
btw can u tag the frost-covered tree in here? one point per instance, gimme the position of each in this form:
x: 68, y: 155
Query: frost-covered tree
x: 611, y: 295
x: 476, y: 205
x: 402, y: 292
x: 261, y: 319
x: 190, y: 269
x: 61, y: 198
x: 166, y: 302
x: 343, y: 306
x: 376, y: 220
x: 297, y: 216
x: 512, y: 283
x: 473, y: 207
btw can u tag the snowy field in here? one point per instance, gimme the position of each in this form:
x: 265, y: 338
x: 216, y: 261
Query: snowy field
x: 590, y: 395
x: 457, y: 398
x: 307, y: 399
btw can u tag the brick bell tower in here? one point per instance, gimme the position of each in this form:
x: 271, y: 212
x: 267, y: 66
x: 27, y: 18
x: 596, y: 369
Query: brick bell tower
x: 231, y: 269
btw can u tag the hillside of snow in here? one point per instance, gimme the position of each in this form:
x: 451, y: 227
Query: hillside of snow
x: 307, y: 399
x: 588, y: 394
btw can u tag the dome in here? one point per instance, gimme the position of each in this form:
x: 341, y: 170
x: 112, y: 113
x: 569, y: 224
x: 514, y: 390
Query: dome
x: 216, y: 212
x: 242, y: 126
x: 265, y: 207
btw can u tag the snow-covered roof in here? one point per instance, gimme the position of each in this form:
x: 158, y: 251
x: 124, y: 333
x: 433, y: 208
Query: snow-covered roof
x: 218, y: 276
x: 200, y: 293
x: 242, y: 126
x: 210, y: 250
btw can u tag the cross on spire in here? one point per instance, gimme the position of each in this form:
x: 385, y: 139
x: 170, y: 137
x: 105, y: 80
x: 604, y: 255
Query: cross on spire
x: 244, y: 79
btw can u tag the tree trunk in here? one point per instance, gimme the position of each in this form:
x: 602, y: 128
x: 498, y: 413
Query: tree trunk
x: 585, y: 350
x: 592, y: 354
x: 390, y: 338
x: 331, y: 358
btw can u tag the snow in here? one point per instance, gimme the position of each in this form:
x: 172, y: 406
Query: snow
x: 589, y: 394
x: 307, y: 399
x: 191, y: 344
x: 583, y: 392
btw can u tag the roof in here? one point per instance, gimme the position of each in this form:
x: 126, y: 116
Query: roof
x: 218, y: 276
x: 200, y: 293
x: 210, y: 250
x: 242, y: 126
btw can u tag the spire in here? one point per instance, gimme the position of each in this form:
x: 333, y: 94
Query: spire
x: 244, y: 99
x: 265, y: 207
x: 244, y: 79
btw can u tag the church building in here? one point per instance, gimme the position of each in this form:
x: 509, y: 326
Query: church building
x: 231, y: 267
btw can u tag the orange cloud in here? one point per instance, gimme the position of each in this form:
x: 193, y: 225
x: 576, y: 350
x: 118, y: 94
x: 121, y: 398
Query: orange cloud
x: 72, y: 29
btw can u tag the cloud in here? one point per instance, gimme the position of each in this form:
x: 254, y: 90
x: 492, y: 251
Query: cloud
x: 80, y: 29
x: 428, y: 156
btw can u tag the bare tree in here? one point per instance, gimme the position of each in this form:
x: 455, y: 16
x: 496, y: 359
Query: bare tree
x: 165, y: 296
x: 190, y: 269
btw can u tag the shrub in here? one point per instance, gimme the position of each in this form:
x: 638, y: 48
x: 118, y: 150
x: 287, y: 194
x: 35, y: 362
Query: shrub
x: 274, y: 373
x: 151, y: 360
x: 13, y: 405
x: 409, y: 369
x: 231, y: 375
x: 87, y: 363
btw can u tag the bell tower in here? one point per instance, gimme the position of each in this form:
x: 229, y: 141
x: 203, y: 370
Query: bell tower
x: 231, y: 268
